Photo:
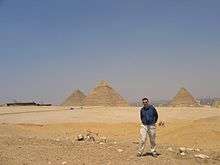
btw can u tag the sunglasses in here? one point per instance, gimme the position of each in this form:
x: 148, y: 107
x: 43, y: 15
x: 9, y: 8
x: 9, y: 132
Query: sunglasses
x: 145, y: 102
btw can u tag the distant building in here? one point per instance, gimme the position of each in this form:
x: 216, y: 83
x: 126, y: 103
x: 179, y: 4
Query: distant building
x: 26, y: 104
x: 22, y: 104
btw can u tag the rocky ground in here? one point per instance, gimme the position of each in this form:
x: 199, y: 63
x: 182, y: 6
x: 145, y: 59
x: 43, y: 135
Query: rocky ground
x: 179, y: 141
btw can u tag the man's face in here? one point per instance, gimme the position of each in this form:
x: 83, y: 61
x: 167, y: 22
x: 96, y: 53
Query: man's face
x: 145, y: 103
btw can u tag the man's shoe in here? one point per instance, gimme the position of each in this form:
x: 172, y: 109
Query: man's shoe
x: 139, y: 155
x: 155, y: 154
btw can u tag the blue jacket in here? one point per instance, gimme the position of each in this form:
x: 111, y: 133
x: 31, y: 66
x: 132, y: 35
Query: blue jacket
x: 148, y: 115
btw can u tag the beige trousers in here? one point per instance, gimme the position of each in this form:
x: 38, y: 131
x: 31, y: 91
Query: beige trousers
x: 151, y: 131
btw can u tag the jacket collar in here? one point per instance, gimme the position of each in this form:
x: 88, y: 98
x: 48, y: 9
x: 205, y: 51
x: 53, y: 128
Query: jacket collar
x: 146, y: 108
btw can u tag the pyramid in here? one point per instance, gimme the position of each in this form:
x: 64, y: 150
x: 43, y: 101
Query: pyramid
x: 183, y: 99
x: 104, y: 95
x: 216, y: 104
x: 76, y: 99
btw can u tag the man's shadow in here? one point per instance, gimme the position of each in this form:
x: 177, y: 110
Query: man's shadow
x: 150, y: 154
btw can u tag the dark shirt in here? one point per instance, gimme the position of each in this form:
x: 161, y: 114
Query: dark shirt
x: 148, y: 115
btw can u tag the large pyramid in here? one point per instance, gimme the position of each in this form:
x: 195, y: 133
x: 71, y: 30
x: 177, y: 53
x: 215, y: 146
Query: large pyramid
x: 104, y: 95
x: 76, y: 99
x: 183, y: 99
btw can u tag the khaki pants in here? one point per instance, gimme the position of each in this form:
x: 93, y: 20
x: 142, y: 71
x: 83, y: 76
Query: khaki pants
x: 151, y: 131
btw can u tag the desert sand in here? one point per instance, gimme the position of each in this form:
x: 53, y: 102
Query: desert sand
x: 46, y: 135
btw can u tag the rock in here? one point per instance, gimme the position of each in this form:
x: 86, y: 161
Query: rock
x: 170, y: 149
x: 182, y: 149
x: 49, y: 162
x: 90, y: 137
x: 19, y: 140
x: 202, y: 156
x: 135, y: 142
x: 115, y: 142
x: 101, y: 143
x: 161, y: 124
x: 80, y: 137
x: 90, y: 133
x: 64, y: 162
x: 57, y: 140
x: 197, y: 150
x: 120, y: 150
x: 182, y: 153
x: 103, y: 139
x: 189, y: 149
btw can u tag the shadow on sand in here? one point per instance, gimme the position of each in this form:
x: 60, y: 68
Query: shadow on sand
x: 150, y: 154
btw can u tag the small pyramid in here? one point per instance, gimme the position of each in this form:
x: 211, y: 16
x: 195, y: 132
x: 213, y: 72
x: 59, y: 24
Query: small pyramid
x: 183, y: 99
x: 216, y: 104
x: 104, y: 95
x: 75, y: 99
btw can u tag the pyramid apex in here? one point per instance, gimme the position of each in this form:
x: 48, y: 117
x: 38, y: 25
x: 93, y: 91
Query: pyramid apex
x: 77, y: 91
x: 75, y: 99
x: 183, y: 89
x: 103, y: 83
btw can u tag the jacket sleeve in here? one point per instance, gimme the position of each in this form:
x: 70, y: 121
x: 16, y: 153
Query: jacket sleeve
x: 155, y: 114
x: 141, y: 115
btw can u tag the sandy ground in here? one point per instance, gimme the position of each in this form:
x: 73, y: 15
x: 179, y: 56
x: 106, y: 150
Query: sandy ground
x: 46, y: 135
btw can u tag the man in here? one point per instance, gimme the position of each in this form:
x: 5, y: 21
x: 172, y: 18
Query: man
x: 149, y: 118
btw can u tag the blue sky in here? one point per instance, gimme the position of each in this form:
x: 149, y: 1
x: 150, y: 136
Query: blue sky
x: 150, y: 48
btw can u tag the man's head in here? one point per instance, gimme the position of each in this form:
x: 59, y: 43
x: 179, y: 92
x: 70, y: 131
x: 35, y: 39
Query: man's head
x: 145, y: 102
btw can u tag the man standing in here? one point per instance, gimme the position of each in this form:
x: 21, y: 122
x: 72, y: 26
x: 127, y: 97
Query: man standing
x: 149, y: 118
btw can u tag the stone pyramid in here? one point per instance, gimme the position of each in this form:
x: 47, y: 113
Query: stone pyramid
x: 216, y: 104
x: 104, y: 95
x: 75, y: 99
x: 183, y: 99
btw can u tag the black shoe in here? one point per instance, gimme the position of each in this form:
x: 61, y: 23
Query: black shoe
x: 155, y: 154
x: 139, y: 155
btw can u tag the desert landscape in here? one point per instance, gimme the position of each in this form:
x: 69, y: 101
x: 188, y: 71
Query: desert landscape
x: 48, y: 135
x: 85, y: 82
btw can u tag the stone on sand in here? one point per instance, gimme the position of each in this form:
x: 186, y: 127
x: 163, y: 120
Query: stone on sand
x: 80, y: 137
x: 64, y: 162
x: 202, y: 156
x: 182, y: 149
x: 120, y: 150
x: 103, y: 139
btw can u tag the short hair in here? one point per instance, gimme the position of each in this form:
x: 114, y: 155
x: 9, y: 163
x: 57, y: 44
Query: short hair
x: 145, y: 99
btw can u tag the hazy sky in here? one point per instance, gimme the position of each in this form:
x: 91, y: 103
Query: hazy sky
x: 151, y: 48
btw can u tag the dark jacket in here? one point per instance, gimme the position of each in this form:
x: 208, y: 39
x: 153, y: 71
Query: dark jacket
x: 148, y: 115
